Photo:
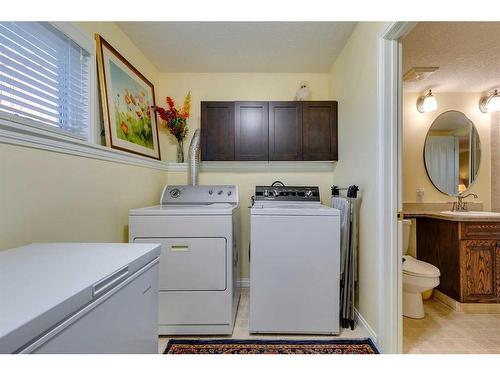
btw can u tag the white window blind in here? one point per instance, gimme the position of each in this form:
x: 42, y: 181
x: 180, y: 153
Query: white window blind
x: 44, y: 77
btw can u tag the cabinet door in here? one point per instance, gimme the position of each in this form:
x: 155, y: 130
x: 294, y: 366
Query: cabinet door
x: 251, y: 130
x: 217, y: 130
x: 437, y: 244
x: 319, y: 130
x: 285, y: 131
x: 478, y: 272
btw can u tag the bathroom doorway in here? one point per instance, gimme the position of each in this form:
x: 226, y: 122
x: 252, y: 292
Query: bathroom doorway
x: 447, y: 142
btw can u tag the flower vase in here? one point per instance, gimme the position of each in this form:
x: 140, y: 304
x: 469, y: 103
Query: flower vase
x: 180, y: 151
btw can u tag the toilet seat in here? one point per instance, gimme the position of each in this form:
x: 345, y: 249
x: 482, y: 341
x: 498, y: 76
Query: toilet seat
x: 414, y: 267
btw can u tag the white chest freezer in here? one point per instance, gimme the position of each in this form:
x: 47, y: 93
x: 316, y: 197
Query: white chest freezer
x: 79, y: 298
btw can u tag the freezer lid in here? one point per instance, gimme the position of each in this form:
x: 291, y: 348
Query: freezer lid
x: 293, y: 210
x: 41, y: 284
x: 186, y: 209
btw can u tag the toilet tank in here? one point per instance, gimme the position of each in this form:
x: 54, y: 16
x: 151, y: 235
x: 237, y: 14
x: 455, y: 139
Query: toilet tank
x: 406, y: 235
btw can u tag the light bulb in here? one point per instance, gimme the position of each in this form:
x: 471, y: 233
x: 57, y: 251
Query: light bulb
x: 430, y: 104
x: 490, y: 103
x: 427, y: 103
x: 494, y: 104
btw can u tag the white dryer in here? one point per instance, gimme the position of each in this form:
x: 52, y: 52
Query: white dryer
x: 294, y: 262
x: 197, y: 227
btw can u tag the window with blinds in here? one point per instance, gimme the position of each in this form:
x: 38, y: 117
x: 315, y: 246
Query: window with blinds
x: 44, y: 77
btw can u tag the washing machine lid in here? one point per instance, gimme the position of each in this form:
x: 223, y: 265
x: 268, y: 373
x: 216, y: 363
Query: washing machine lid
x: 186, y: 209
x: 287, y: 209
x: 415, y: 267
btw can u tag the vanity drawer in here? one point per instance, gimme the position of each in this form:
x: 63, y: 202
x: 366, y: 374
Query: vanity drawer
x: 480, y: 230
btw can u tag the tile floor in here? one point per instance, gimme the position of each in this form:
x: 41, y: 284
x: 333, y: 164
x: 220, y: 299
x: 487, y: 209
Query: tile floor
x: 241, y: 329
x: 445, y: 331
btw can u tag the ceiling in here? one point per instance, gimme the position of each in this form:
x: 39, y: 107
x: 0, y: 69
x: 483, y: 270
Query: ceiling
x: 467, y: 54
x: 268, y: 47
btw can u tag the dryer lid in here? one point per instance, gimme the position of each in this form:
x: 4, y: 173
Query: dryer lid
x: 414, y: 267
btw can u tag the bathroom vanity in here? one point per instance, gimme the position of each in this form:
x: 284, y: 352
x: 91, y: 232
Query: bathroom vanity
x: 466, y: 249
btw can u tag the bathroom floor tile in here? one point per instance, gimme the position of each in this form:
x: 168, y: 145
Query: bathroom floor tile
x: 445, y: 331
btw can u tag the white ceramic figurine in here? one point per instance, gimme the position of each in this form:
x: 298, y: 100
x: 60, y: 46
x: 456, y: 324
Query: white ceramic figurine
x: 303, y: 93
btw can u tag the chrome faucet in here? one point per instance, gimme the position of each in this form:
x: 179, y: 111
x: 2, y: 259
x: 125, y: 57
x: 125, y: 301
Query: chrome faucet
x: 460, y: 205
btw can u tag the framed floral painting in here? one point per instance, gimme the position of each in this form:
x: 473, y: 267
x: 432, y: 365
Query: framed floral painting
x: 128, y: 100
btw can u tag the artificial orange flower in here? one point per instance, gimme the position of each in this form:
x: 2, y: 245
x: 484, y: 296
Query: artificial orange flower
x: 124, y: 128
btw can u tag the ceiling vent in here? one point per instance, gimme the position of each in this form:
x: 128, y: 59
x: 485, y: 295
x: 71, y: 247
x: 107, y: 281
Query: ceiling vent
x: 418, y: 74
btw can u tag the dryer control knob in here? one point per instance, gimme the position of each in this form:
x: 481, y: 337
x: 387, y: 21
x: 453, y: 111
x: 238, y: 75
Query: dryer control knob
x: 220, y: 192
x: 210, y: 192
x: 229, y: 192
x: 309, y: 193
x: 175, y: 193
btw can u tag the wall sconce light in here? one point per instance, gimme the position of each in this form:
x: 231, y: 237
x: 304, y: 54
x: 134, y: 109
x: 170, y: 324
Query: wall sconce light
x: 427, y: 103
x: 490, y: 103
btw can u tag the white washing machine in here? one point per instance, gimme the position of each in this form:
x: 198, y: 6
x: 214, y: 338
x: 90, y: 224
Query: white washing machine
x: 294, y: 262
x: 197, y: 227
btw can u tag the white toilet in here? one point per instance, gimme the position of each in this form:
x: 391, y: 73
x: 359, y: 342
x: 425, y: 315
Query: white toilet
x: 418, y: 277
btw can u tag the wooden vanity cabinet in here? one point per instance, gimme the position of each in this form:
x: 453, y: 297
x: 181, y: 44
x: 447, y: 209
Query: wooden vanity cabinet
x: 466, y: 253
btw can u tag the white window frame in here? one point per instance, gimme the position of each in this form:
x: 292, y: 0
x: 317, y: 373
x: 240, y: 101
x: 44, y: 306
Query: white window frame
x: 29, y: 133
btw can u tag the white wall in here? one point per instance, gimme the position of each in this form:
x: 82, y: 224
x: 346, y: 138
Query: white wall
x: 415, y: 127
x: 354, y: 83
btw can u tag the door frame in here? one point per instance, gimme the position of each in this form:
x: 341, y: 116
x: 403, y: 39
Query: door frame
x: 390, y: 322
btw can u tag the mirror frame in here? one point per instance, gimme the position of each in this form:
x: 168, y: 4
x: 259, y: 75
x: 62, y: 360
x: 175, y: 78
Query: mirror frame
x: 425, y: 164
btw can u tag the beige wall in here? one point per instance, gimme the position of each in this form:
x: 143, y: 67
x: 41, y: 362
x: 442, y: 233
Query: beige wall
x: 48, y: 196
x: 51, y: 197
x: 495, y: 161
x: 120, y: 41
x: 354, y: 83
x: 232, y: 86
x: 415, y: 127
x: 242, y: 86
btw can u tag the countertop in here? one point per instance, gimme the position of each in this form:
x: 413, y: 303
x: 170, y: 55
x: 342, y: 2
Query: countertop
x: 450, y: 217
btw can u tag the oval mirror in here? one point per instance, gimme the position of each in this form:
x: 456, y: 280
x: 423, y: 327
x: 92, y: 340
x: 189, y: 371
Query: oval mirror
x: 452, y: 152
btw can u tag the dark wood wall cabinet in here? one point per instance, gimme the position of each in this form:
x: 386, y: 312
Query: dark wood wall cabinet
x: 269, y: 131
x: 217, y: 138
x: 467, y: 254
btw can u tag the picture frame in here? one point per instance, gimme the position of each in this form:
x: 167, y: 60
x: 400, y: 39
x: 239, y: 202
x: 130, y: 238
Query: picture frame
x: 127, y: 98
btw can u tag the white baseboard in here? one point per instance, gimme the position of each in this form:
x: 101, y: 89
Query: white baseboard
x: 362, y: 322
x: 243, y: 282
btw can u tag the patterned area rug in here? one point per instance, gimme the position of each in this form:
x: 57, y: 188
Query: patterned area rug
x: 361, y: 346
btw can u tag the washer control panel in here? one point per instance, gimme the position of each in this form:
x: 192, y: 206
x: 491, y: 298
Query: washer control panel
x: 287, y: 193
x: 199, y: 194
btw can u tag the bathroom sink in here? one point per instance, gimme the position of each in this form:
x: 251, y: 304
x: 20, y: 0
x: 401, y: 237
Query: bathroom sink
x: 472, y: 213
